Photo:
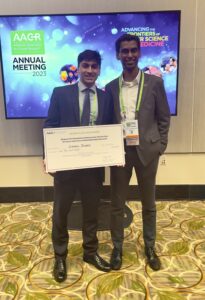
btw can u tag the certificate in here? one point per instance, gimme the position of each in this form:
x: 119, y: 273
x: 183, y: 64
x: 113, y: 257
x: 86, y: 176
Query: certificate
x: 69, y: 148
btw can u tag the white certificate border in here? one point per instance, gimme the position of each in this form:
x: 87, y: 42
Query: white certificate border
x: 122, y: 154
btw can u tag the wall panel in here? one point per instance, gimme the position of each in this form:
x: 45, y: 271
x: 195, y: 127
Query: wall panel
x: 199, y: 87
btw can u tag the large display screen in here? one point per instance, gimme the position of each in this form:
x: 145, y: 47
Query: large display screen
x: 39, y: 52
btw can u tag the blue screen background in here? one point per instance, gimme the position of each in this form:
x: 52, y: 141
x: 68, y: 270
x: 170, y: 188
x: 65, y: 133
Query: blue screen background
x: 27, y: 95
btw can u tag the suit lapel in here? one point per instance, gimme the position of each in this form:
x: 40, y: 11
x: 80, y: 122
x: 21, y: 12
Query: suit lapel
x: 100, y: 107
x: 144, y: 90
x: 75, y: 99
x: 117, y: 108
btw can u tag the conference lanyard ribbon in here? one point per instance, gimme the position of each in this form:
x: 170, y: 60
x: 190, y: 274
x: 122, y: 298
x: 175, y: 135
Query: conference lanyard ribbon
x: 131, y: 130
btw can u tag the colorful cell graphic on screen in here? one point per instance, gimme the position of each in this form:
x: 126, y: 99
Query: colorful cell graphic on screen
x: 69, y: 74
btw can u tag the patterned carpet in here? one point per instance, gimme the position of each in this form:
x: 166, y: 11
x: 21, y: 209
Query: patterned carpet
x: 26, y: 257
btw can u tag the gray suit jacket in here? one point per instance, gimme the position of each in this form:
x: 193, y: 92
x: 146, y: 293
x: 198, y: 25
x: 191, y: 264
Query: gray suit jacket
x: 153, y: 116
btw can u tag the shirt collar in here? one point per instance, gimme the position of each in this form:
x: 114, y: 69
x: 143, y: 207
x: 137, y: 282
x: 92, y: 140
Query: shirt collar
x: 82, y: 87
x: 136, y: 81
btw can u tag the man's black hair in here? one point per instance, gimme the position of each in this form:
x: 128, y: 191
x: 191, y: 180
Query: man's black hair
x: 90, y: 55
x: 126, y: 38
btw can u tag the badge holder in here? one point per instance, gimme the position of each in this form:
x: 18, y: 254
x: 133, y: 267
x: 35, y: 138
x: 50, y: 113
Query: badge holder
x: 131, y: 132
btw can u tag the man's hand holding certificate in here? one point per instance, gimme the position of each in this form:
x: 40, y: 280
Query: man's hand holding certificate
x: 82, y: 147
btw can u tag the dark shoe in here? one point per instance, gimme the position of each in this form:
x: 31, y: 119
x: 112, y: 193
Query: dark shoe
x: 60, y: 270
x: 152, y: 259
x: 98, y: 262
x: 116, y: 259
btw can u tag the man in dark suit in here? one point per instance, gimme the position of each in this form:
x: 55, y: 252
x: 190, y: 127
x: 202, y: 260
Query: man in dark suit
x: 76, y: 105
x: 140, y: 104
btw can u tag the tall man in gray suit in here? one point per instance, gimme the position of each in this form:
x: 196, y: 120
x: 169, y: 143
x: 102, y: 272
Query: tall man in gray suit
x: 80, y: 104
x: 140, y: 104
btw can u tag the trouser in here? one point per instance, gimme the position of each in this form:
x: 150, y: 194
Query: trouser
x: 89, y: 183
x: 120, y: 178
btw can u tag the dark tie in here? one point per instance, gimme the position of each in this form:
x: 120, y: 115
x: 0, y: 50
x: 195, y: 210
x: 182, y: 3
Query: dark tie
x: 85, y: 118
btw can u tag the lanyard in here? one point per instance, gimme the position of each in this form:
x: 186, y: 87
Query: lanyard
x: 139, y: 96
x: 93, y: 110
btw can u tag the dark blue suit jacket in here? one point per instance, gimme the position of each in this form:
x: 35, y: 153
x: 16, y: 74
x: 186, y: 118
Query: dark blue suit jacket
x: 64, y: 111
x: 64, y: 108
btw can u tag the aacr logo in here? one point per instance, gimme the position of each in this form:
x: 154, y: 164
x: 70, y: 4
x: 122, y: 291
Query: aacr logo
x: 27, y: 42
x: 26, y: 36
